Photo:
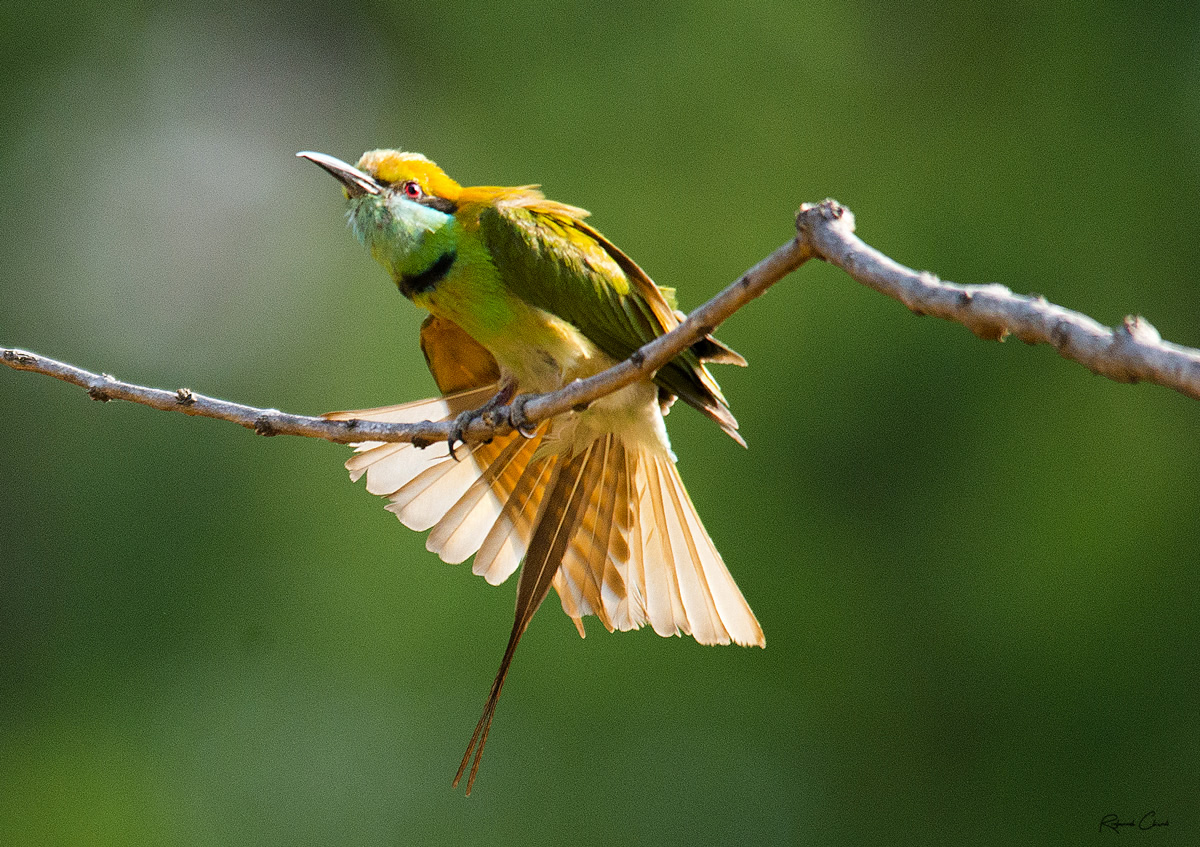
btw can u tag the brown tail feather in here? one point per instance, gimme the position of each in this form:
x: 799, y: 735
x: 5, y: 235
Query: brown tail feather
x: 592, y: 577
x: 562, y: 509
x: 485, y: 721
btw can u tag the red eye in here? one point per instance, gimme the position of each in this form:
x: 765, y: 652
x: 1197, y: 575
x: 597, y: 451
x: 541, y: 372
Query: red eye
x: 411, y: 189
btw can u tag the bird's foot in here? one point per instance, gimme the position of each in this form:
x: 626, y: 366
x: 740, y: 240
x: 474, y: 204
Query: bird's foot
x: 514, y: 417
x: 459, y: 428
x: 486, y: 413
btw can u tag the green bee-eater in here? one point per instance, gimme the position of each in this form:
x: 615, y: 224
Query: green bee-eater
x: 525, y: 297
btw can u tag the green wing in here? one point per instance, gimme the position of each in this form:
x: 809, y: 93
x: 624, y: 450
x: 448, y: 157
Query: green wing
x: 553, y: 260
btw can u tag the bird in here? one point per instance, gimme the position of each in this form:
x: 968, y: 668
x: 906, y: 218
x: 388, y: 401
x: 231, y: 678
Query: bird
x: 524, y: 296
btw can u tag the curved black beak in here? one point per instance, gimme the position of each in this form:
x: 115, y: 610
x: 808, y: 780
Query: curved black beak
x: 355, y: 181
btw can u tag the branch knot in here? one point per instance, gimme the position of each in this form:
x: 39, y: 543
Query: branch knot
x: 97, y: 391
x: 1137, y: 329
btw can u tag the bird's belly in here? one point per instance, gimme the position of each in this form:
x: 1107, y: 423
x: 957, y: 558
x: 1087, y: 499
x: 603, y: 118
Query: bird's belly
x: 632, y: 413
x: 542, y: 352
x: 538, y: 350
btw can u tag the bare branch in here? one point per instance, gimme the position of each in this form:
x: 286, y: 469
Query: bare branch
x: 104, y: 387
x: 1131, y: 353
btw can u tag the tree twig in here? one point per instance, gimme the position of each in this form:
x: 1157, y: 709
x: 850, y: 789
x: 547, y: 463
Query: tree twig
x: 1132, y: 352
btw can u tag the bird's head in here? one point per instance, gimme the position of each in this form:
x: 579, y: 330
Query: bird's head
x: 400, y: 204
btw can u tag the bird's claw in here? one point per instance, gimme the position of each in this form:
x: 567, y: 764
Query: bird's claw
x: 515, y: 416
x: 459, y: 428
x: 517, y: 419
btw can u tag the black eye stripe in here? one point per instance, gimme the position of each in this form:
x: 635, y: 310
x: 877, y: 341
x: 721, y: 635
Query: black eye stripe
x: 439, y: 203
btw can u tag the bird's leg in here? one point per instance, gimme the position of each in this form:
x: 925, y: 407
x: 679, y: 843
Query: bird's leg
x: 463, y: 422
x: 505, y: 396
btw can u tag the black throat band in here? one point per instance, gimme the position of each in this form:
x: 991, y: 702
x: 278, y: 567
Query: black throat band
x: 411, y: 284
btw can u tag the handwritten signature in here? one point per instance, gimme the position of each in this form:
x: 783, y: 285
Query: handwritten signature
x: 1145, y: 822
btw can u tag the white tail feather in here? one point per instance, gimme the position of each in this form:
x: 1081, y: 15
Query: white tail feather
x: 507, y: 540
x: 390, y: 470
x: 459, y: 532
x: 426, y: 499
x: 720, y: 591
x: 698, y: 605
x: 663, y: 603
x: 462, y: 530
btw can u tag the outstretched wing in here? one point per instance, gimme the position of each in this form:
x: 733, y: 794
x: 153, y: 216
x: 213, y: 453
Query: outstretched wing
x: 553, y: 260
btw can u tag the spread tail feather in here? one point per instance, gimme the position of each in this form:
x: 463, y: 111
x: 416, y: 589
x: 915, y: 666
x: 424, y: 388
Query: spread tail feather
x: 618, y: 536
x: 488, y: 498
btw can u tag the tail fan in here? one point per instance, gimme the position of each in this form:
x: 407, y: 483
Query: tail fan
x: 610, y: 526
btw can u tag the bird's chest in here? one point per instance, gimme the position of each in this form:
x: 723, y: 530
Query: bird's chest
x: 538, y: 349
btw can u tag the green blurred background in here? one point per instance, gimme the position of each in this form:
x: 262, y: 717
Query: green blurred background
x: 975, y: 563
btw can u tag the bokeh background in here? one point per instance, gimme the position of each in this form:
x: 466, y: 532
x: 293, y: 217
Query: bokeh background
x: 976, y: 563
